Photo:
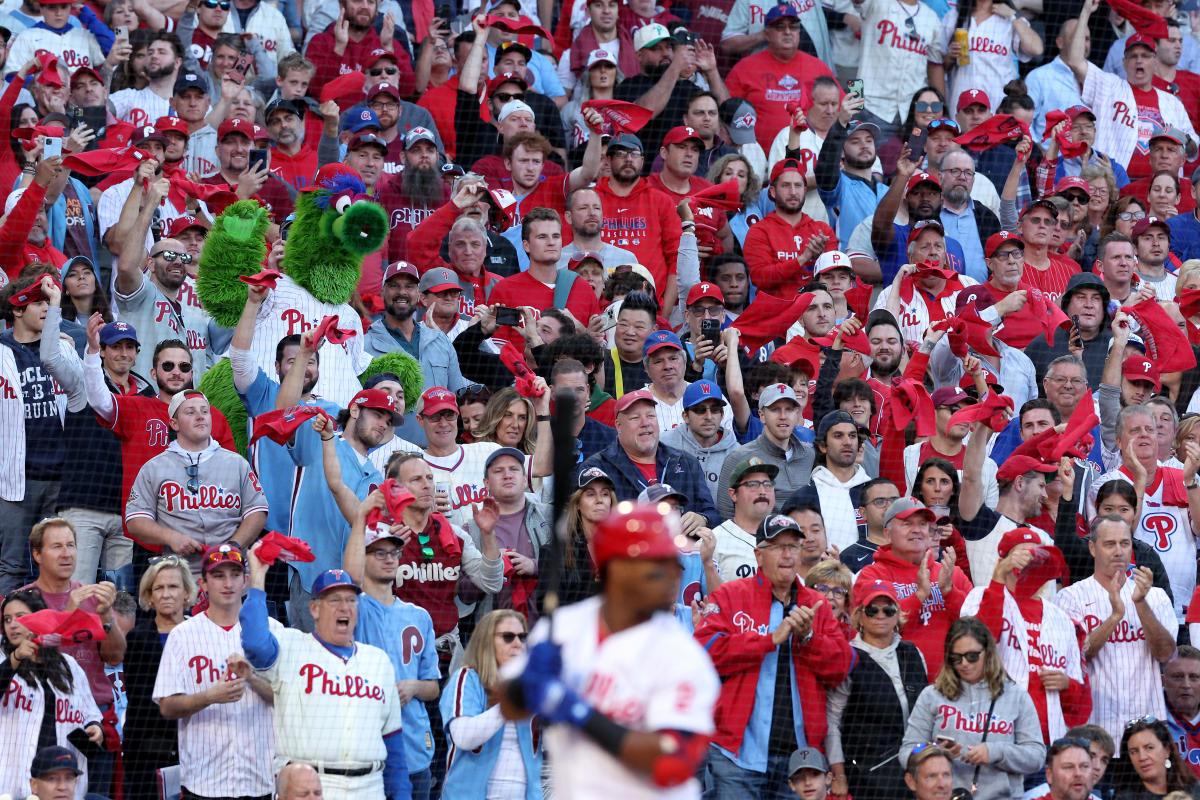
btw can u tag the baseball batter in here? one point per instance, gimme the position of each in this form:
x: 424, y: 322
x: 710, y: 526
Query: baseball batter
x: 336, y: 704
x: 629, y: 694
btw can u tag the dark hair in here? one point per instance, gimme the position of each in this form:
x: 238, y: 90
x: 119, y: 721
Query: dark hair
x: 538, y: 214
x: 571, y: 196
x: 562, y: 318
x: 707, y: 94
x: 622, y: 284
x: 763, y: 374
x: 14, y: 123
x: 1016, y: 96
x: 871, y: 484
x: 578, y: 347
x: 813, y: 286
x: 1117, y: 206
x: 640, y: 301
x: 714, y: 266
x: 1040, y: 402
x: 910, y: 121
x: 50, y: 665
x: 1118, y: 487
x: 19, y: 285
x: 396, y: 460
x: 231, y: 40
x: 854, y: 389
x: 172, y: 39
x: 168, y: 344
x: 566, y: 366
x: 293, y: 340
x: 1125, y: 777
x: 1060, y: 746
x: 123, y: 76
x: 945, y: 466
x: 827, y: 82
x: 99, y: 303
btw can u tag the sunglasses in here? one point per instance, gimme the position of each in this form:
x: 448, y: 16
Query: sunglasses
x: 218, y: 556
x: 375, y: 72
x: 1144, y: 719
x: 931, y: 107
x: 473, y: 393
x: 874, y: 611
x: 171, y: 560
x: 509, y: 637
x: 169, y: 256
x: 193, y: 484
x: 971, y: 657
x: 221, y: 4
x: 911, y: 28
x: 505, y: 97
x: 170, y: 366
x: 1076, y: 197
x: 426, y: 550
x: 943, y: 123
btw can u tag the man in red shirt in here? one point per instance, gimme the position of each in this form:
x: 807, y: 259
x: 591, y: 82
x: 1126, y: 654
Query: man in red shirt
x: 681, y: 156
x: 1166, y: 155
x: 541, y: 236
x: 639, y: 218
x: 347, y: 44
x: 782, y: 247
x: 415, y: 193
x: 1043, y: 270
x: 235, y: 138
x: 776, y: 76
x: 292, y: 159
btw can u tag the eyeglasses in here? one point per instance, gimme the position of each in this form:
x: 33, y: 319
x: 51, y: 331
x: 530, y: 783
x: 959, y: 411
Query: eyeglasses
x: 1059, y: 380
x: 780, y: 548
x: 960, y: 172
x: 708, y: 311
x: 1126, y: 216
x: 221, y: 4
x: 1071, y: 741
x: 971, y: 656
x: 836, y: 591
x: 385, y: 106
x: 169, y: 256
x: 756, y: 484
x: 170, y: 366
x: 889, y: 611
x: 385, y: 555
x: 1078, y: 198
x: 193, y: 484
x: 504, y: 97
x: 375, y: 72
x: 1009, y: 255
x: 509, y: 637
x: 924, y: 108
x: 883, y: 502
x: 1043, y: 222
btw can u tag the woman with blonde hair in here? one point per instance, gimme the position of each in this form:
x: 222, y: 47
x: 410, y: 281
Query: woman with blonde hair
x: 867, y: 713
x: 489, y: 757
x: 755, y: 205
x: 975, y: 710
x: 508, y: 420
x: 168, y: 590
x: 588, y: 505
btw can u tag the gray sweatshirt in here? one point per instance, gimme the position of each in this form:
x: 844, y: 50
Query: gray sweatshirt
x: 711, y: 458
x: 1014, y: 742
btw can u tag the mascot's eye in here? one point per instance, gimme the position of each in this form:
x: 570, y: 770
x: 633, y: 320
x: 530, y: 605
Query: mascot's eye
x: 342, y: 203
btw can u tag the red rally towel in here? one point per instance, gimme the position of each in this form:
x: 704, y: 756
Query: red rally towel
x: 997, y: 130
x: 910, y: 401
x: 515, y: 361
x: 723, y: 196
x: 995, y: 409
x: 769, y: 317
x: 1068, y: 148
x: 1141, y: 18
x: 967, y: 331
x: 55, y: 628
x: 275, y: 545
x: 267, y: 278
x: 281, y: 424
x: 1166, y: 344
x: 328, y: 329
x: 622, y: 116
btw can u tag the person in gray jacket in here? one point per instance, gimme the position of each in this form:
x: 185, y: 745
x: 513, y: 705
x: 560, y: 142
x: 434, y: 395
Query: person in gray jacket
x: 777, y: 444
x: 973, y: 697
x: 701, y: 434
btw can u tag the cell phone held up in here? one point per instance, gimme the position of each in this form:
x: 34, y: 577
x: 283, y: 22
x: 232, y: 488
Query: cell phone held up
x: 916, y: 145
x: 240, y: 67
x: 258, y: 160
x: 855, y: 86
x: 507, y: 316
x: 711, y: 329
x: 52, y: 147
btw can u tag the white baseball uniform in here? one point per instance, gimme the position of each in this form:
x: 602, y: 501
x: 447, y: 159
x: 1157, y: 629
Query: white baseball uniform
x: 226, y: 749
x: 916, y: 315
x: 291, y: 309
x: 898, y: 42
x: 650, y: 677
x: 1124, y: 677
x: 994, y: 42
x: 139, y: 106
x: 334, y: 712
x: 21, y: 707
x: 12, y: 418
x: 75, y: 48
x: 1120, y: 129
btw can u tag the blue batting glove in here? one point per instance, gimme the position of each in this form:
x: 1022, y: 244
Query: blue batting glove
x: 554, y: 701
x: 545, y: 660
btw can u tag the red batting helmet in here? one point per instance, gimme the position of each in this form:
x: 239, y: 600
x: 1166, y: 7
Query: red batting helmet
x: 637, y: 531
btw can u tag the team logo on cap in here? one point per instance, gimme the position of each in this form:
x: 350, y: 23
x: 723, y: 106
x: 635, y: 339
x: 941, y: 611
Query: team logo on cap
x: 1007, y: 235
x: 705, y: 388
x: 191, y: 76
x: 593, y: 472
x: 602, y: 54
x: 746, y: 120
x: 690, y: 131
x: 378, y: 51
x: 878, y: 585
x: 779, y: 521
x: 365, y: 115
x: 439, y: 394
x: 974, y: 92
x: 120, y: 326
x: 660, y: 337
x: 756, y: 461
x: 782, y: 387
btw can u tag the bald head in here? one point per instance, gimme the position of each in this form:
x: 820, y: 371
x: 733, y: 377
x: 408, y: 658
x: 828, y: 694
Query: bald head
x: 298, y: 782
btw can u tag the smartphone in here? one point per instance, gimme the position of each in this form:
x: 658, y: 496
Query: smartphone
x: 507, y: 316
x: 52, y: 148
x: 711, y: 329
x: 944, y: 741
x: 855, y: 86
x: 610, y: 316
x: 240, y: 67
x: 121, y: 30
x: 258, y: 159
x: 916, y: 145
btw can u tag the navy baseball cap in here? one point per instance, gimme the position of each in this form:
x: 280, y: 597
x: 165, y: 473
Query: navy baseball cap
x: 359, y: 118
x: 781, y: 11
x: 699, y: 391
x: 332, y: 579
x: 504, y: 451
x: 114, y: 332
x: 52, y: 759
x: 191, y: 80
x: 593, y: 474
x: 626, y: 141
x: 835, y: 417
x: 659, y: 340
x: 775, y: 524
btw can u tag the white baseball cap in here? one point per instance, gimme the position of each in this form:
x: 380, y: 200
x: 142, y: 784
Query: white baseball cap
x: 835, y: 259
x: 600, y: 56
x: 650, y: 35
x: 512, y: 107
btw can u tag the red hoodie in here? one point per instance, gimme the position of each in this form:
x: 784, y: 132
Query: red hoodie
x: 928, y: 622
x: 646, y: 224
x: 772, y: 244
x: 330, y: 65
x: 424, y: 244
x: 16, y: 252
x: 734, y: 633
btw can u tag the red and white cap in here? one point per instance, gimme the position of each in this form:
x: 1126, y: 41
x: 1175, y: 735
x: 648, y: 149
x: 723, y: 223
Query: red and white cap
x: 703, y: 290
x: 601, y: 56
x: 171, y: 125
x: 378, y: 400
x: 182, y: 223
x: 834, y: 259
x: 680, y: 134
x: 245, y: 128
x: 996, y: 239
x: 972, y: 96
x: 1139, y: 368
x: 919, y: 178
x: 435, y: 399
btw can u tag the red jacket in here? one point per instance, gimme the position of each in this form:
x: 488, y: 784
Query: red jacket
x: 330, y: 65
x: 735, y: 635
x: 772, y: 245
x: 928, y: 622
x: 646, y: 224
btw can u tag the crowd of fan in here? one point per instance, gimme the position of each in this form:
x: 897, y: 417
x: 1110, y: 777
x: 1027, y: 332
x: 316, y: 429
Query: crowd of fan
x: 908, y: 342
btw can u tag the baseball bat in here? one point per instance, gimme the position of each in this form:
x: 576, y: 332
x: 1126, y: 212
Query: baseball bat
x: 566, y: 460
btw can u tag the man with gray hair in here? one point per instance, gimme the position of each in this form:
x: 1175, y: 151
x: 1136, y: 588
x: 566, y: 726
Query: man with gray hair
x: 298, y: 782
x: 966, y: 221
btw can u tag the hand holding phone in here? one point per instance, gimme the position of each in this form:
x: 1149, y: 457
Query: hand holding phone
x: 52, y: 147
x: 855, y: 86
x: 916, y: 145
x: 507, y: 316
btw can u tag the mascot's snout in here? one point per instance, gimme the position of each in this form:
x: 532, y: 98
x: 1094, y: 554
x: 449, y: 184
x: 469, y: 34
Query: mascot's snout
x: 362, y: 228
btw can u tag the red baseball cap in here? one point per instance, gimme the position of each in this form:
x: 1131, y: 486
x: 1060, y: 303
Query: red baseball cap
x: 378, y: 400
x: 680, y: 134
x: 1015, y: 537
x: 1139, y: 368
x: 400, y: 268
x: 788, y: 165
x: 30, y: 294
x: 637, y: 531
x: 972, y: 96
x: 703, y: 290
x: 996, y: 239
x: 979, y: 294
x: 171, y: 125
x: 1019, y: 465
x: 181, y: 224
x: 228, y: 553
x: 583, y: 255
x: 1073, y: 182
x: 919, y: 178
x: 924, y: 225
x: 506, y: 77
x: 1143, y: 40
x: 241, y: 126
x: 629, y: 398
x: 375, y: 55
x: 1144, y: 224
x: 867, y: 592
x: 435, y: 399
x: 384, y: 88
x: 83, y: 71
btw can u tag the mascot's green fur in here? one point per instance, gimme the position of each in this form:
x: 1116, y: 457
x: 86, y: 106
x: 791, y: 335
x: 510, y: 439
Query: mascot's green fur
x: 335, y: 227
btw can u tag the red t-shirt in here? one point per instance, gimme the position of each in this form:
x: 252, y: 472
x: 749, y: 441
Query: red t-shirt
x: 550, y: 192
x: 649, y: 471
x: 1186, y: 87
x: 770, y: 84
x: 928, y: 451
x: 1052, y: 280
x: 1149, y: 119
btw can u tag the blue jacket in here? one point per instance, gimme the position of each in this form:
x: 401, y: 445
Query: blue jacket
x: 467, y: 771
x: 679, y: 470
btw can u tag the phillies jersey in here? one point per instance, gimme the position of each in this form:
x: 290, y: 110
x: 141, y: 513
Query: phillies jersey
x: 463, y: 470
x: 773, y: 242
x: 21, y: 709
x: 646, y: 224
x: 74, y: 48
x: 140, y: 107
x: 1124, y: 126
x: 1116, y: 698
x: 289, y: 309
x: 898, y: 41
x: 328, y: 709
x: 226, y: 749
x: 994, y: 42
x: 920, y: 310
x: 157, y: 318
x: 1166, y: 525
x: 650, y: 677
x: 770, y: 85
x: 1186, y: 735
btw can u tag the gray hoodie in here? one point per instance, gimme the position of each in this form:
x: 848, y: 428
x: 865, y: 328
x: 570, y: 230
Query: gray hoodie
x: 1014, y: 742
x: 710, y: 458
x: 794, y: 472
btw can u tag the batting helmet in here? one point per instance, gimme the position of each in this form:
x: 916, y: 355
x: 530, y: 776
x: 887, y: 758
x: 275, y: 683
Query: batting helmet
x: 637, y: 531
